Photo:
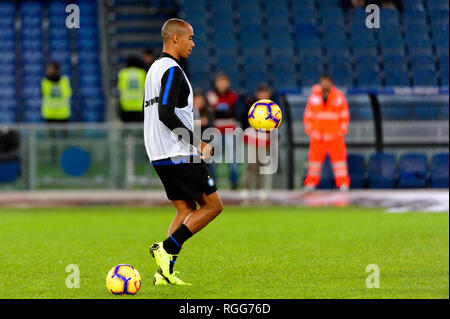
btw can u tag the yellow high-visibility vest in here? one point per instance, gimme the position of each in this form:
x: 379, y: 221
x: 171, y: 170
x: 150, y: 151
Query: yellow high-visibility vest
x: 56, y: 99
x: 131, y: 83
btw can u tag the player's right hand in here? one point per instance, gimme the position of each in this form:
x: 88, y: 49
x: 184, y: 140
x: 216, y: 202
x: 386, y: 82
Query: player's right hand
x: 205, y: 150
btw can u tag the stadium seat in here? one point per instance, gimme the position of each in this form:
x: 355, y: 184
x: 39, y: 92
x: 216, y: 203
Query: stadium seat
x: 382, y: 168
x: 439, y: 170
x: 356, y: 170
x: 426, y: 78
x: 413, y: 171
x: 9, y: 171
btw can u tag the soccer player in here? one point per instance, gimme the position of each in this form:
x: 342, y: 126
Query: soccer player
x: 175, y: 151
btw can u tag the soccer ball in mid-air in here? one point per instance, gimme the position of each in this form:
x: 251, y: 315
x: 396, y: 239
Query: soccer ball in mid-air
x: 123, y: 280
x: 264, y: 115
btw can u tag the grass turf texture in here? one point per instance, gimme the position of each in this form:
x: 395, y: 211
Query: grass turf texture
x: 248, y: 252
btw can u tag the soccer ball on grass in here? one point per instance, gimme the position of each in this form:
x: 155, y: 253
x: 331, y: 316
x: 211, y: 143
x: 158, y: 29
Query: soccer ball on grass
x: 123, y: 280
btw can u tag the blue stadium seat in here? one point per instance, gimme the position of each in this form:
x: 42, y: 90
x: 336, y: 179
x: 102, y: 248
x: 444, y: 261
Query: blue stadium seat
x: 285, y: 81
x: 439, y: 13
x: 413, y: 171
x: 9, y: 170
x: 8, y: 92
x: 425, y: 78
x: 438, y: 4
x: 88, y: 56
x: 368, y: 76
x: 32, y: 104
x: 254, y: 77
x: 226, y: 62
x: 382, y: 169
x: 7, y: 80
x: 32, y: 116
x: 310, y: 69
x: 201, y: 79
x: 395, y: 77
x: 440, y: 37
x: 32, y: 92
x: 439, y: 170
x: 391, y: 17
x: 356, y: 170
x: 88, y: 44
x: 92, y: 116
x: 301, y: 6
x: 341, y: 70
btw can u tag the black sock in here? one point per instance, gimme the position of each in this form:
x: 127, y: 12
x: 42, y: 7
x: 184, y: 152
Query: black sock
x: 172, y: 263
x: 173, y: 243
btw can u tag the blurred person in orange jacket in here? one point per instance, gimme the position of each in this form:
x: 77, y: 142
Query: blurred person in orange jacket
x: 326, y: 121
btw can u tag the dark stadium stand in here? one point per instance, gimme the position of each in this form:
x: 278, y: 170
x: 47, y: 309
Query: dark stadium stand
x: 8, y: 94
x: 383, y: 172
x: 410, y: 48
x: 41, y: 37
x: 285, y: 43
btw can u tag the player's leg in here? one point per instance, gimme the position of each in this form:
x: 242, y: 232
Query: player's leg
x: 316, y: 156
x: 183, y: 209
x: 164, y: 252
x: 210, y: 207
x: 338, y: 157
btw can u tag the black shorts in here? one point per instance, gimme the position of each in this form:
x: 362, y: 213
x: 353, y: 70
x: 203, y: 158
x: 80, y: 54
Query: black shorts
x: 188, y: 181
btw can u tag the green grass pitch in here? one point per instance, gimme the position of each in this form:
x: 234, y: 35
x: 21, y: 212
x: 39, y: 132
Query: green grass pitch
x: 247, y: 252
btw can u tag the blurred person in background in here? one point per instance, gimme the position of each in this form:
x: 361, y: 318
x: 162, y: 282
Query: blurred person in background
x: 56, y: 94
x: 203, y: 117
x: 252, y: 139
x: 131, y: 82
x: 385, y: 4
x: 351, y: 4
x: 223, y: 102
x: 326, y: 120
x: 55, y: 106
x: 148, y: 58
x: 9, y: 155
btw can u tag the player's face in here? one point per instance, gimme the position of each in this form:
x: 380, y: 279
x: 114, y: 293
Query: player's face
x: 187, y: 42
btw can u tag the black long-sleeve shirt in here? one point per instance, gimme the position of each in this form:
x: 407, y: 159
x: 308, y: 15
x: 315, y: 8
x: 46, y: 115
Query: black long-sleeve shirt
x: 174, y: 93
